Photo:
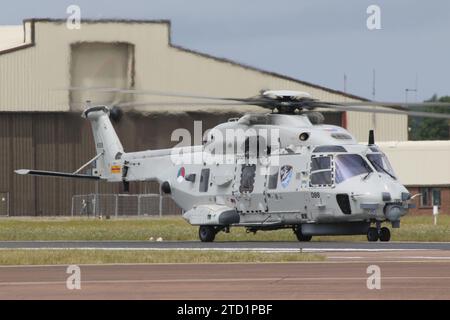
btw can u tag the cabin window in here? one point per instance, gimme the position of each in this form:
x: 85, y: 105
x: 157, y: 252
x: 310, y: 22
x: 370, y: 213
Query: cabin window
x: 350, y: 165
x: 247, y: 178
x: 321, y: 178
x: 321, y: 171
x: 381, y: 163
x: 204, y: 180
x: 273, y: 178
x: 321, y: 163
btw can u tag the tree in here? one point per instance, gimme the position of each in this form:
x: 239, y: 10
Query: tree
x: 430, y: 128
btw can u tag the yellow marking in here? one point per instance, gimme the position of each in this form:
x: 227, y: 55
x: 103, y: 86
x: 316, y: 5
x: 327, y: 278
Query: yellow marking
x: 115, y: 169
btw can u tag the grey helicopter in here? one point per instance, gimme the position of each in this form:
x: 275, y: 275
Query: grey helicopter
x: 265, y: 171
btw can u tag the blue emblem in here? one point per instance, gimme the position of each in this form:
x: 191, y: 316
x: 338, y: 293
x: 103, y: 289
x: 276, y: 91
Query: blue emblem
x: 286, y: 173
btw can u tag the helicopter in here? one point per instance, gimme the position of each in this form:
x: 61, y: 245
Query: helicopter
x: 283, y: 169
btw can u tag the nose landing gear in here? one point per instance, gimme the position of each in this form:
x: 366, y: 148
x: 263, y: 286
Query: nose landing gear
x: 385, y: 234
x: 372, y: 234
x: 377, y: 233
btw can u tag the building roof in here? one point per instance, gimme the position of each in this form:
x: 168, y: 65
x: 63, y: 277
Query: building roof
x: 14, y: 38
x: 139, y: 54
x: 10, y: 37
x: 420, y: 163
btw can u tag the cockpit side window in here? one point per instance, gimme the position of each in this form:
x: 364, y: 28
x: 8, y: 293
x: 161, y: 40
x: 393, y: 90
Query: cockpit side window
x: 321, y: 171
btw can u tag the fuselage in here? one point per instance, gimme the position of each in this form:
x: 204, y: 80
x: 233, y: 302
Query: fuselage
x: 326, y: 178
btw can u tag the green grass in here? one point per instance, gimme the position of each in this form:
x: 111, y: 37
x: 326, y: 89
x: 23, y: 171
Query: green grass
x: 413, y: 228
x: 75, y: 256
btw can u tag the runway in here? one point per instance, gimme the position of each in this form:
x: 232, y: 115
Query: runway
x: 227, y: 245
x: 408, y: 270
x: 313, y: 280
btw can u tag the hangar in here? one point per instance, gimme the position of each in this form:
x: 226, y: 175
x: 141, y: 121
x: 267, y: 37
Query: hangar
x: 40, y: 124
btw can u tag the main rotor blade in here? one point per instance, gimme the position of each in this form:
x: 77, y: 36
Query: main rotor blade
x: 175, y: 104
x: 386, y: 111
x: 151, y: 93
x: 401, y: 105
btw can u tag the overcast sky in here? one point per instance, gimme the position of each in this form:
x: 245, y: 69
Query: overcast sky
x: 317, y: 41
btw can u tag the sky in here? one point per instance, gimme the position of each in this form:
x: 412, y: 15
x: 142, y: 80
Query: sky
x: 312, y: 40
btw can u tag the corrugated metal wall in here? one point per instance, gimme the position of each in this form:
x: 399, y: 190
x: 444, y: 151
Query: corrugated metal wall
x: 47, y: 141
x: 63, y: 142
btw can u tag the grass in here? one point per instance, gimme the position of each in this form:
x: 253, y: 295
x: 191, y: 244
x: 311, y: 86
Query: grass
x: 414, y: 228
x: 76, y: 256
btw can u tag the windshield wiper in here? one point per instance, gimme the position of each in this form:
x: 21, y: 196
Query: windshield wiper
x: 369, y: 170
x: 384, y: 170
x: 367, y: 175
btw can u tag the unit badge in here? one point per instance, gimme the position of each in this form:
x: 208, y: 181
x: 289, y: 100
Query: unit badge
x: 286, y: 173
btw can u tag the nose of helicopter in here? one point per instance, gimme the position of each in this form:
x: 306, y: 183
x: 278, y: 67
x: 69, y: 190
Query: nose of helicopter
x: 386, y: 197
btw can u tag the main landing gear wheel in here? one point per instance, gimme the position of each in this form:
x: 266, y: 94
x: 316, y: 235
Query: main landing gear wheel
x: 300, y: 236
x: 372, y: 234
x: 207, y: 233
x: 385, y: 234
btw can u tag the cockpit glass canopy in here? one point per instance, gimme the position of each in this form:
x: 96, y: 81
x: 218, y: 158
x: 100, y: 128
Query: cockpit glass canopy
x: 350, y: 165
x: 381, y: 163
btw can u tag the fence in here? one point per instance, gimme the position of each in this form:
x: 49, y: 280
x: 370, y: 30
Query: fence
x: 122, y: 205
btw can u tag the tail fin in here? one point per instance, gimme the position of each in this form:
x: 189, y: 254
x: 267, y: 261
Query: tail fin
x: 107, y: 143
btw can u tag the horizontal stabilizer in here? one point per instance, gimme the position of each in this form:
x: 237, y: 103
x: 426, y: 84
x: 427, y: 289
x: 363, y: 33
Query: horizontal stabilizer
x: 55, y: 174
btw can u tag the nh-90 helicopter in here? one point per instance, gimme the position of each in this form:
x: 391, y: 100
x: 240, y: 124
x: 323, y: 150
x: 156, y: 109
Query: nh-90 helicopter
x: 278, y: 170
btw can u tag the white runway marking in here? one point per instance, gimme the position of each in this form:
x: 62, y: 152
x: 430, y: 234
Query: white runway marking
x: 277, y: 279
x: 264, y: 250
x: 393, y: 257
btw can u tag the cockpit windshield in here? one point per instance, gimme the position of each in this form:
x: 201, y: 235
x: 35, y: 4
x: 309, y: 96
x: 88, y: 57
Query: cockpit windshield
x: 350, y: 165
x: 381, y: 163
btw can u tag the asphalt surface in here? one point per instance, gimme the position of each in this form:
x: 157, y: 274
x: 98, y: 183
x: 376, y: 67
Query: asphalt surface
x: 399, y: 279
x: 256, y: 245
x: 409, y: 270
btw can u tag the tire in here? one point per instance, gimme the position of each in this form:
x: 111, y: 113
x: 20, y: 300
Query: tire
x: 207, y: 233
x: 300, y: 236
x: 385, y: 234
x: 372, y: 234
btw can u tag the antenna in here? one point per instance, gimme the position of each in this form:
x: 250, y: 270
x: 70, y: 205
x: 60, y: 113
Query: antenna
x: 371, y: 138
x: 374, y: 119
